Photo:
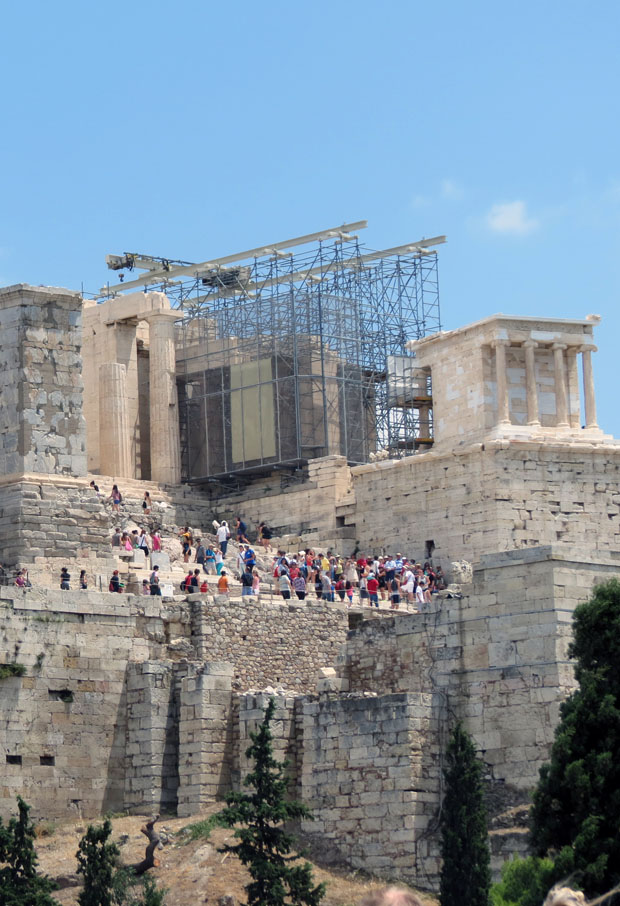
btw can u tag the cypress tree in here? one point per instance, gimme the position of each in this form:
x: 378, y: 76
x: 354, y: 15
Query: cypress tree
x: 20, y: 885
x: 576, y: 810
x: 264, y: 845
x: 466, y: 872
x: 98, y: 863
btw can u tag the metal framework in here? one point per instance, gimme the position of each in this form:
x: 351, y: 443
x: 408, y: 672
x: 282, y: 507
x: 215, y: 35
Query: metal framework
x: 287, y: 355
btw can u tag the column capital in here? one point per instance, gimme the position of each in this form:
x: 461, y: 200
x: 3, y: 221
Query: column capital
x: 500, y: 341
x: 561, y: 346
x: 530, y: 344
x: 587, y: 347
x: 165, y: 315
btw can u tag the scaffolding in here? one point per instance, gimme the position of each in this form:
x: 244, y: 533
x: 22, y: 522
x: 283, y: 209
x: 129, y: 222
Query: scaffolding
x: 289, y: 355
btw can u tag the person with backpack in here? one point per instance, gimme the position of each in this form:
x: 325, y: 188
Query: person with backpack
x: 201, y: 553
x: 186, y: 542
x: 264, y: 535
x: 247, y: 579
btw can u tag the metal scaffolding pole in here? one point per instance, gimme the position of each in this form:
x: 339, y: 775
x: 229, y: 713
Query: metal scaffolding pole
x: 298, y: 350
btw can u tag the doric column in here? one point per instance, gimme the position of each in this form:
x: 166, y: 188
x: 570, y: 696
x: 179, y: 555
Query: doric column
x: 561, y: 396
x: 530, y: 383
x: 573, y: 386
x: 114, y: 440
x: 164, y: 406
x: 503, y: 412
x: 588, y: 386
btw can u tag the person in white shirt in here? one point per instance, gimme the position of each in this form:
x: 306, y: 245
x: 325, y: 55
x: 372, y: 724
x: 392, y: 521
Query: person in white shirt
x: 223, y: 534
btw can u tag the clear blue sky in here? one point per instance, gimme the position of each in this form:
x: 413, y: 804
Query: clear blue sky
x: 192, y: 130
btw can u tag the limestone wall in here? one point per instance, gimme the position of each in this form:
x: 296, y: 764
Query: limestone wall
x: 498, y: 655
x: 371, y: 775
x: 306, y: 508
x: 41, y: 423
x: 51, y: 517
x: 62, y: 733
x: 121, y: 705
x: 269, y: 642
x: 498, y: 496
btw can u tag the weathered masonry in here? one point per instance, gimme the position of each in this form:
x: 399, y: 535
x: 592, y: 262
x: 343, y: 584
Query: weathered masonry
x: 145, y: 704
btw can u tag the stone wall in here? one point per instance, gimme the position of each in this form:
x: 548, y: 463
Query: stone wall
x: 63, y: 729
x: 498, y: 654
x: 120, y: 707
x: 498, y: 496
x: 306, y: 507
x: 42, y: 428
x: 52, y: 517
x: 371, y: 776
x: 260, y: 636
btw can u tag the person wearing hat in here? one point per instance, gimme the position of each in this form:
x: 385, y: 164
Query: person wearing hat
x: 373, y: 589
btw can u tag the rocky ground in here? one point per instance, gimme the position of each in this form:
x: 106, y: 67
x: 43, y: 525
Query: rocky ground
x: 193, y: 872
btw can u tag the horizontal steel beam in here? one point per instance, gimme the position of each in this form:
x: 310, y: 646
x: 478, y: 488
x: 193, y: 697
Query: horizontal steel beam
x: 194, y: 270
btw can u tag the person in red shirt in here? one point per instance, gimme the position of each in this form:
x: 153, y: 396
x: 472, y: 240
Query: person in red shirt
x: 373, y: 590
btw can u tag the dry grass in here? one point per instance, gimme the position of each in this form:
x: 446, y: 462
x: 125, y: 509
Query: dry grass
x: 193, y: 872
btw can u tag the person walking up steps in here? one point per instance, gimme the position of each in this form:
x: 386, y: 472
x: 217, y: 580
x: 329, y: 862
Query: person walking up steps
x: 154, y: 581
x: 223, y: 534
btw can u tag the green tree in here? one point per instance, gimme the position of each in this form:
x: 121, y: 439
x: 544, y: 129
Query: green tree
x: 106, y: 880
x: 264, y: 846
x: 576, y: 810
x: 98, y: 863
x: 20, y: 885
x: 466, y: 873
x: 525, y: 882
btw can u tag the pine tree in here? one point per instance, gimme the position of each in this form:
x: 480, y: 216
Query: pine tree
x: 20, y: 885
x: 264, y: 844
x: 576, y: 811
x: 98, y: 863
x: 106, y: 880
x: 466, y: 873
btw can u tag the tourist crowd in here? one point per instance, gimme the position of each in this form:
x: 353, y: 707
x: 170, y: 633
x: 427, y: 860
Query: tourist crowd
x: 370, y: 580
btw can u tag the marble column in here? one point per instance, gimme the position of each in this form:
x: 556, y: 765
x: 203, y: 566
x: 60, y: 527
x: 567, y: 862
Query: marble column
x: 588, y: 386
x: 573, y: 386
x: 503, y: 412
x: 530, y: 383
x: 561, y: 395
x: 114, y: 439
x: 164, y: 406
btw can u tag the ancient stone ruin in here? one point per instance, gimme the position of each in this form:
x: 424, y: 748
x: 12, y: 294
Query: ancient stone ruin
x: 146, y: 703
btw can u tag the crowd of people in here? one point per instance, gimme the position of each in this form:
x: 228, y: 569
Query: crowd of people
x: 391, y: 580
x: 373, y: 579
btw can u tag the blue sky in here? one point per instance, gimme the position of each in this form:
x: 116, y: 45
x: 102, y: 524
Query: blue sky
x: 192, y: 130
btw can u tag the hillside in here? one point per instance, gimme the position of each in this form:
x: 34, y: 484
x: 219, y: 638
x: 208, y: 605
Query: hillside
x: 193, y: 872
